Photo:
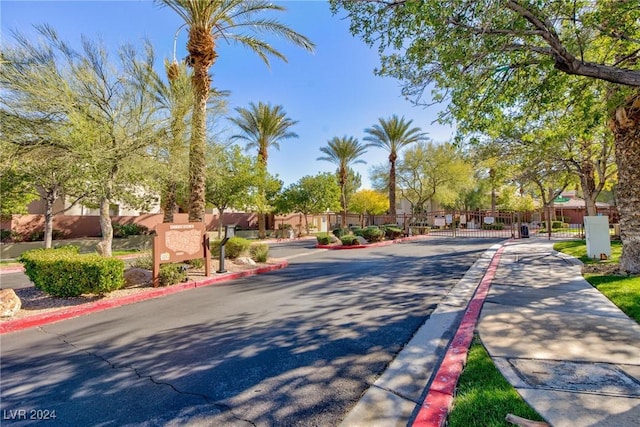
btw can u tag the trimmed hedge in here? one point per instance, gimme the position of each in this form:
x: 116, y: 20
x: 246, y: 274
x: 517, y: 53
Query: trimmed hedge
x: 349, y: 240
x: 393, y: 232
x: 62, y: 272
x: 323, y: 238
x: 339, y: 232
x: 373, y: 234
x: 236, y: 247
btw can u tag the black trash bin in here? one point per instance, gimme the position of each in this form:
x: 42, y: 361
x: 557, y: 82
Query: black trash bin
x: 524, y: 231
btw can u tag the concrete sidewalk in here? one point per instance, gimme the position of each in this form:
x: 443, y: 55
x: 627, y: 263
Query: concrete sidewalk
x: 570, y: 352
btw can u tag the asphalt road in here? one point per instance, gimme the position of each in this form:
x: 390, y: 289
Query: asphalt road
x: 296, y: 346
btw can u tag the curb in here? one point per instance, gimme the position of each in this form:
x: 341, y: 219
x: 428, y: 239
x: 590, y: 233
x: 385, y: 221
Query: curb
x: 437, y: 403
x: 64, y: 314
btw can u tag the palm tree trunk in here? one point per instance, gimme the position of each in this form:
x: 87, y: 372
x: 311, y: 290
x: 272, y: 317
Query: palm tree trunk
x: 170, y: 202
x: 626, y: 128
x: 392, y: 191
x: 196, y: 151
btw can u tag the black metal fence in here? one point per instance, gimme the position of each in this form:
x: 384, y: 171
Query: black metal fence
x: 475, y: 224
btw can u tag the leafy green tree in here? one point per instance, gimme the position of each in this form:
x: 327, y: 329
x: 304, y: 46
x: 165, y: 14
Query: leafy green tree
x: 343, y: 152
x: 494, y: 59
x: 210, y: 22
x: 263, y: 126
x: 95, y: 114
x: 368, y: 202
x: 433, y: 172
x: 393, y: 135
x: 16, y: 191
x: 311, y: 195
x: 230, y: 176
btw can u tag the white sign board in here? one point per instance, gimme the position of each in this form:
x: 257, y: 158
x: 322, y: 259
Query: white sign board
x: 489, y: 220
x: 449, y: 218
x: 439, y: 222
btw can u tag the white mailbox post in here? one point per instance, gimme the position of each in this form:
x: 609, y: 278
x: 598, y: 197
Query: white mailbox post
x: 597, y: 235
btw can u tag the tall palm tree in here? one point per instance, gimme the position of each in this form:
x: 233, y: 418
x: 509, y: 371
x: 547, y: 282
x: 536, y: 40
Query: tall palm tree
x: 208, y: 22
x: 393, y: 135
x: 343, y: 152
x: 263, y: 126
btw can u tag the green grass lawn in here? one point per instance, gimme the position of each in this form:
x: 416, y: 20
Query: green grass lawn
x: 578, y: 249
x: 484, y: 397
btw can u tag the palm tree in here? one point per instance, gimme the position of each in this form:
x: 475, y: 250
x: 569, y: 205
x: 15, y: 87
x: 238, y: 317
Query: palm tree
x: 343, y: 152
x: 208, y: 22
x: 393, y: 135
x: 263, y: 126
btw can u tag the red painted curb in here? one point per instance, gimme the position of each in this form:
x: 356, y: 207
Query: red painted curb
x: 64, y: 314
x: 437, y: 403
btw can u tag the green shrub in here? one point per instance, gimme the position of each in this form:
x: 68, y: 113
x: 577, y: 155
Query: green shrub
x: 349, y: 240
x: 124, y: 230
x: 196, y: 263
x: 172, y: 273
x: 236, y: 247
x: 392, y: 232
x: 324, y: 238
x: 492, y: 226
x: 214, y: 246
x: 37, y: 236
x: 259, y: 252
x: 372, y: 234
x: 357, y: 231
x: 144, y: 261
x: 62, y: 272
x: 339, y: 232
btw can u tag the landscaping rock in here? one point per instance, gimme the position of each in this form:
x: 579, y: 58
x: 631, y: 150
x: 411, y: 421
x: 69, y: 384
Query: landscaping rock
x: 9, y: 303
x: 245, y: 260
x: 136, y: 277
x: 362, y: 240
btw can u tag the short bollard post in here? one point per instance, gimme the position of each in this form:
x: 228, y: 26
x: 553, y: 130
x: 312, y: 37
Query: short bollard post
x: 229, y: 232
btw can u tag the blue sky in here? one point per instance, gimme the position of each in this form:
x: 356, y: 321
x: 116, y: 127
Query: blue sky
x: 332, y: 92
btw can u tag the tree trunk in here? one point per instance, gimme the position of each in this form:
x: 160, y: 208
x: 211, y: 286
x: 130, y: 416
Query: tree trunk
x: 626, y: 128
x: 50, y: 199
x: 262, y: 231
x: 104, y: 247
x: 588, y: 183
x: 197, y: 157
x: 170, y: 202
x: 392, y: 190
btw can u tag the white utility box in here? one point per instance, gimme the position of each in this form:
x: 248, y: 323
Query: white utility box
x: 597, y: 234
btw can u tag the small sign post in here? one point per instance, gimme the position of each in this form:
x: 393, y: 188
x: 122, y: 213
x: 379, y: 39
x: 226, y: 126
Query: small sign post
x: 229, y: 232
x: 180, y: 242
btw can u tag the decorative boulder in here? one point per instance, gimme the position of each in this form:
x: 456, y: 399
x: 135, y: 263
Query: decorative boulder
x: 136, y: 277
x: 245, y: 260
x: 9, y: 303
x: 362, y: 240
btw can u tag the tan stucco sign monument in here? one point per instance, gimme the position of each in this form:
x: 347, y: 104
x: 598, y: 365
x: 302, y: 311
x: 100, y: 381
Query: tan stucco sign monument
x: 180, y: 242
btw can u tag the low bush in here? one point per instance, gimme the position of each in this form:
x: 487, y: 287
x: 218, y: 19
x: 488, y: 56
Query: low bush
x: 196, y: 263
x: 492, y: 226
x: 62, y: 272
x: 124, y: 230
x: 172, y: 273
x: 339, y: 232
x: 37, y: 236
x: 324, y: 238
x: 144, y: 261
x: 8, y: 236
x: 259, y: 252
x: 372, y: 234
x: 349, y: 240
x: 357, y: 231
x: 236, y: 247
x: 392, y: 232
